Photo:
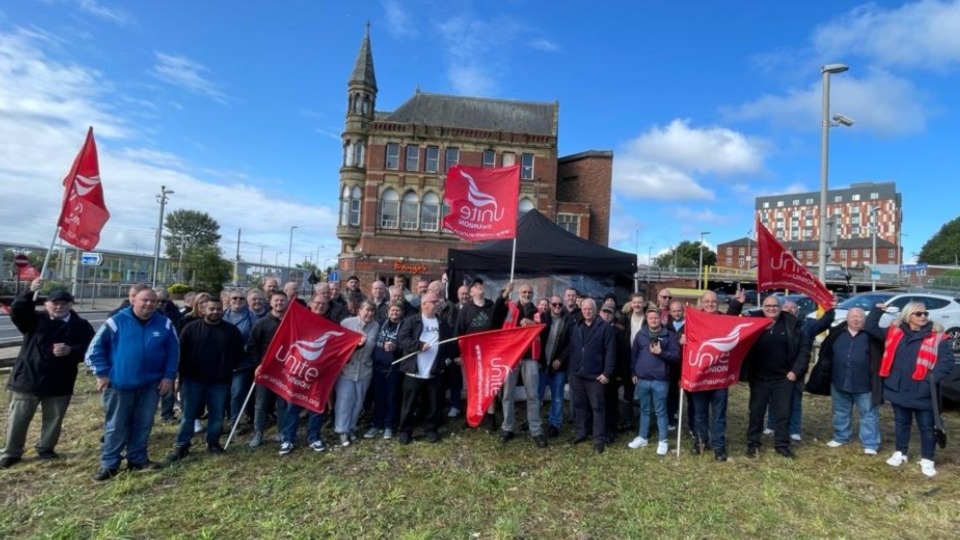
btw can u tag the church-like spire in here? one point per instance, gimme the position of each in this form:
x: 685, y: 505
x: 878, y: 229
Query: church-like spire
x: 363, y: 68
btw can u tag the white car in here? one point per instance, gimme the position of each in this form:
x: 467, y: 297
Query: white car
x: 943, y: 309
x: 865, y: 301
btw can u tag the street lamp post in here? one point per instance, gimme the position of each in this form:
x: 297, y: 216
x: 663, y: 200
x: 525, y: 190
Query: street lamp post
x: 826, y: 71
x: 700, y: 281
x: 290, y: 251
x: 873, y: 253
x: 276, y: 258
x: 162, y: 200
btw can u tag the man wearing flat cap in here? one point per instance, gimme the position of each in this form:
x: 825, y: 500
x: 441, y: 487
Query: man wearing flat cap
x: 44, y: 373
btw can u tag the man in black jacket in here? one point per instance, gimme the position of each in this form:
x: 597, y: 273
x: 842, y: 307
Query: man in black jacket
x: 263, y: 330
x: 44, y: 373
x: 210, y: 349
x: 420, y: 333
x: 592, y: 358
x: 554, y: 339
x: 773, y: 366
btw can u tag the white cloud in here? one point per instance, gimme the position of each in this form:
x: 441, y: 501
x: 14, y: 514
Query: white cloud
x: 919, y: 35
x: 701, y: 215
x: 661, y: 163
x: 399, y: 23
x: 187, y: 74
x: 47, y: 106
x: 116, y: 16
x: 468, y: 44
x: 545, y: 45
x: 879, y: 102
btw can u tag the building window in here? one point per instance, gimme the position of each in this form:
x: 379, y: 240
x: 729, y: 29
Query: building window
x: 569, y: 222
x: 433, y: 159
x: 389, y: 209
x: 867, y: 254
x: 413, y: 157
x: 509, y: 159
x: 740, y: 262
x: 838, y: 198
x: 410, y: 212
x: 874, y: 196
x: 345, y: 206
x: 796, y: 202
x: 809, y: 201
x: 843, y: 254
x: 855, y: 220
x: 393, y: 156
x: 855, y: 197
x: 779, y: 204
x: 891, y: 254
x: 359, y: 154
x: 526, y: 167
x: 741, y: 250
x: 450, y: 158
x: 729, y: 250
x: 347, y: 154
x: 780, y: 234
x: 854, y: 230
x: 766, y: 205
x: 430, y: 212
x: 525, y: 206
x: 808, y: 233
x: 489, y: 158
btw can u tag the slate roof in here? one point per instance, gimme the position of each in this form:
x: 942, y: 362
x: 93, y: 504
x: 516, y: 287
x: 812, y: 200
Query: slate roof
x: 477, y: 113
x: 363, y: 68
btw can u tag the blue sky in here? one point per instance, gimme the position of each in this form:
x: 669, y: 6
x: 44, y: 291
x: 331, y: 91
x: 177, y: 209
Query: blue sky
x: 238, y: 106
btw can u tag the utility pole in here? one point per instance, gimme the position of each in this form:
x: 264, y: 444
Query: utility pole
x: 162, y: 200
x: 236, y: 264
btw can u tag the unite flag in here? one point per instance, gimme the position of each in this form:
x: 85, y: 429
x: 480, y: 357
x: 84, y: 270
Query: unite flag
x: 83, y: 212
x: 777, y: 268
x: 488, y: 357
x: 483, y: 202
x: 716, y: 346
x: 305, y: 357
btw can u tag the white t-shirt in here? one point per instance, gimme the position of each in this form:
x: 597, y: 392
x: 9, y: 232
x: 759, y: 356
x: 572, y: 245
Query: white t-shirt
x: 431, y: 335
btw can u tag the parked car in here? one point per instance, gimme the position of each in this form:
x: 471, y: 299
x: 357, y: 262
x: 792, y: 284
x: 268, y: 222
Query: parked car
x: 943, y: 309
x: 865, y: 301
x: 806, y: 304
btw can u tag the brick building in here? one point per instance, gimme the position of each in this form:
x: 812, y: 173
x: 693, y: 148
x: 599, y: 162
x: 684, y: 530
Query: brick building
x: 850, y: 253
x: 395, y: 163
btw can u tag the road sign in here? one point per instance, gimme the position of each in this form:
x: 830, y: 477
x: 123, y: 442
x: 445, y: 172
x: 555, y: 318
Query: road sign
x: 90, y: 258
x: 21, y: 260
x: 875, y: 274
x: 333, y: 276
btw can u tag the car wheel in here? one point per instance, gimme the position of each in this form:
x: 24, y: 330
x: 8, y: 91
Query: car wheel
x: 954, y: 334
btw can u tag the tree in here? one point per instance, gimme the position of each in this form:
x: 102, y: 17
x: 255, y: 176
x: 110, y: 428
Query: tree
x: 208, y: 269
x: 686, y: 255
x: 193, y: 228
x: 943, y: 247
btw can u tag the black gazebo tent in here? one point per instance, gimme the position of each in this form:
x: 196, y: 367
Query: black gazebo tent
x: 546, y: 250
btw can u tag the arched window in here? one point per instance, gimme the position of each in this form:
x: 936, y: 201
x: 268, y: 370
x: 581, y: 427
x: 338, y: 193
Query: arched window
x: 356, y: 200
x: 525, y: 206
x: 356, y: 103
x: 410, y: 211
x: 359, y: 154
x: 345, y: 206
x: 348, y: 153
x: 366, y: 104
x: 444, y: 212
x: 389, y: 209
x: 430, y: 212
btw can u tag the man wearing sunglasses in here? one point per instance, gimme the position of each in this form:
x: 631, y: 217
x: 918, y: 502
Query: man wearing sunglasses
x: 554, y: 339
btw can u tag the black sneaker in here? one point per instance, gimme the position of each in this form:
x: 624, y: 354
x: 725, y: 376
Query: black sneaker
x: 577, y: 440
x: 215, y: 448
x: 540, y: 441
x: 553, y: 432
x: 170, y: 420
x: 404, y: 438
x: 48, y: 454
x: 147, y: 465
x: 720, y: 454
x: 599, y: 447
x: 105, y: 474
x: 178, y: 453
x: 787, y: 453
x: 9, y: 461
x: 433, y: 437
x: 753, y: 452
x: 505, y: 436
x: 490, y: 423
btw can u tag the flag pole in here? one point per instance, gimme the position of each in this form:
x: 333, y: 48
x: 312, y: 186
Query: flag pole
x: 679, y: 424
x: 513, y: 257
x: 240, y: 414
x: 397, y: 361
x: 46, y: 259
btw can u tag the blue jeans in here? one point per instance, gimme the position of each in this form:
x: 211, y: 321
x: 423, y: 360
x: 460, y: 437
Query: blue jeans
x: 710, y: 416
x: 194, y: 396
x: 349, y: 403
x: 796, y: 412
x: 267, y: 402
x: 128, y: 424
x: 385, y: 385
x: 653, y: 393
x: 291, y: 421
x: 557, y: 380
x: 239, y: 387
x: 843, y: 417
x: 542, y: 384
x: 903, y: 417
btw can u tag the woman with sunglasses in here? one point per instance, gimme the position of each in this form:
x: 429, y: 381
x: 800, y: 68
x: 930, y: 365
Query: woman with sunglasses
x: 914, y: 355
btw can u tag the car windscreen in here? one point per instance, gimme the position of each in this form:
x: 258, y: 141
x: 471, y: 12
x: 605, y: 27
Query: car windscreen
x: 865, y: 302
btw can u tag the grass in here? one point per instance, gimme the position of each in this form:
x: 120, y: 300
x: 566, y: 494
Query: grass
x: 470, y: 486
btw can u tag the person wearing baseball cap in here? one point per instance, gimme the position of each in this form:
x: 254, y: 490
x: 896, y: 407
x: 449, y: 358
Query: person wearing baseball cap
x: 44, y: 373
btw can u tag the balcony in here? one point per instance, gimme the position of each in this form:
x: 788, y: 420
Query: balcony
x: 348, y: 233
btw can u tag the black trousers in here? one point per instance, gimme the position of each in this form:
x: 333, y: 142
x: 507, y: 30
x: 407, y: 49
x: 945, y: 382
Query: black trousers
x: 429, y: 394
x: 777, y: 394
x: 588, y: 397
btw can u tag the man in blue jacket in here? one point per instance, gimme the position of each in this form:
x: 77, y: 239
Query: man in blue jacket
x: 134, y: 356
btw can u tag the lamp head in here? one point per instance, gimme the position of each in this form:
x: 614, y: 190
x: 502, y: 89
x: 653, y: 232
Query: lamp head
x: 845, y: 121
x: 833, y: 68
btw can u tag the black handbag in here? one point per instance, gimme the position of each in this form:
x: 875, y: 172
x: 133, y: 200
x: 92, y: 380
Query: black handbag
x: 938, y: 430
x: 819, y: 381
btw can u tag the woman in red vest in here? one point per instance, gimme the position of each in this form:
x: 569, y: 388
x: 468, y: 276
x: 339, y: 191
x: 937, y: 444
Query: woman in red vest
x: 915, y: 357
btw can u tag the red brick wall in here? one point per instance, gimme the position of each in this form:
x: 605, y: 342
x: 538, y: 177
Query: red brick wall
x: 588, y: 180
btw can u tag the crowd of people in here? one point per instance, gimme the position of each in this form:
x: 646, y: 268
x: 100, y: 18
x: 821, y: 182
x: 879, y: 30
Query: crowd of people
x: 407, y: 373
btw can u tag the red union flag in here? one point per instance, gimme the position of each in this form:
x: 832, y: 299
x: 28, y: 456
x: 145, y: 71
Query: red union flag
x: 777, y: 268
x: 716, y: 346
x: 483, y: 202
x: 84, y: 211
x: 305, y: 357
x: 488, y: 357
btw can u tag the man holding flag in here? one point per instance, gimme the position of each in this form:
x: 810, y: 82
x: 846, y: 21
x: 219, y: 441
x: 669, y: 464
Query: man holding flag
x: 420, y: 340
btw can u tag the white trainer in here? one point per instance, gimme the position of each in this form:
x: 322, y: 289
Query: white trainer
x: 926, y: 467
x: 662, y: 448
x: 869, y: 451
x: 453, y: 413
x: 834, y: 443
x: 768, y: 432
x: 897, y: 459
x: 638, y: 442
x: 795, y: 437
